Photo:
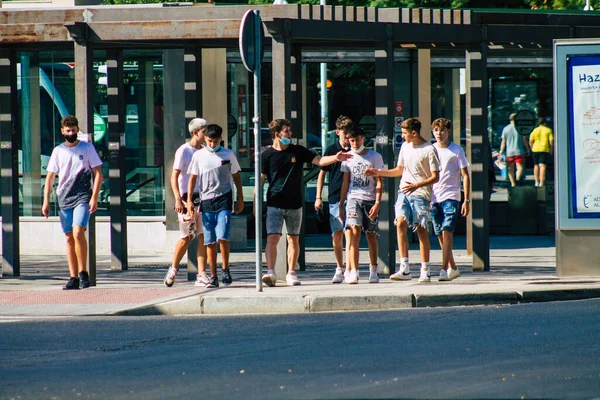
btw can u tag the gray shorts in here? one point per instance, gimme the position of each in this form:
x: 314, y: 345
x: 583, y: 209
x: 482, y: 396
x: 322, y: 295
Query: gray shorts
x: 276, y: 217
x: 357, y: 214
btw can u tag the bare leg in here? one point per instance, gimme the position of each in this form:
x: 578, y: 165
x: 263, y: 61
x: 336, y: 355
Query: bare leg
x: 542, y: 174
x: 271, y: 251
x: 511, y: 174
x: 347, y: 236
x: 402, y: 237
x: 424, y: 244
x: 81, y: 248
x: 71, y: 256
x: 536, y: 174
x: 520, y: 171
x: 338, y: 248
x: 448, y: 241
x: 201, y: 254
x: 211, y: 254
x: 293, y: 251
x: 180, y: 248
x: 354, y: 247
x: 373, y: 247
x: 225, y: 247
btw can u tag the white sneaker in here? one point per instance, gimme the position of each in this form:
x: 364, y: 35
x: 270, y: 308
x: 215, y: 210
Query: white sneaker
x: 339, y: 276
x: 453, y: 274
x: 425, y: 277
x: 292, y: 280
x: 170, y: 277
x: 202, y: 280
x: 443, y: 275
x: 269, y: 279
x: 352, y: 278
x: 403, y: 273
x: 373, y: 275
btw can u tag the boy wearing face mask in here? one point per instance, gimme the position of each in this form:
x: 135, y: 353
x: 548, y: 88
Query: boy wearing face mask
x: 79, y: 180
x: 362, y: 195
x: 215, y: 170
x: 282, y: 165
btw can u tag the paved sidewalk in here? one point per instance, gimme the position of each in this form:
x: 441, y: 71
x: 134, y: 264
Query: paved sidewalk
x: 522, y: 270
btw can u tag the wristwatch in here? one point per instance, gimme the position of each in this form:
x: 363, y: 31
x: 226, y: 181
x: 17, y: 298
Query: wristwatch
x: 467, y: 200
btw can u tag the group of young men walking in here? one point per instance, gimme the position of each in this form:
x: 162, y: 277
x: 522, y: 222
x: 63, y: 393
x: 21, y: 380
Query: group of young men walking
x: 205, y: 173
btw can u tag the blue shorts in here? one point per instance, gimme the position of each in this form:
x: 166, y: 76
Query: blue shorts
x: 415, y: 209
x: 78, y: 216
x: 217, y: 226
x: 444, y: 216
x: 357, y: 214
x: 335, y: 222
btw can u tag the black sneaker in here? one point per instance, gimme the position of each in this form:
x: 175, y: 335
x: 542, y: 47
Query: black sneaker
x: 84, y: 279
x: 214, y: 282
x: 226, y: 277
x: 73, y: 284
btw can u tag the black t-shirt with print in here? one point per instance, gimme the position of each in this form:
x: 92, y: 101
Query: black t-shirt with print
x: 283, y: 169
x: 336, y: 176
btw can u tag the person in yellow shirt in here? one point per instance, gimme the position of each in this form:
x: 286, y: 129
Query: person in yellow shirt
x: 541, y: 142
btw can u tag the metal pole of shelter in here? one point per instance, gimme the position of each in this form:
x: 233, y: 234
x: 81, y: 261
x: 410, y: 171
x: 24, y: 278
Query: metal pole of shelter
x: 257, y: 157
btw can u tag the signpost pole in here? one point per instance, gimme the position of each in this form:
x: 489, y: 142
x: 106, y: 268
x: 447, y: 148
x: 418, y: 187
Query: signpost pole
x: 257, y: 158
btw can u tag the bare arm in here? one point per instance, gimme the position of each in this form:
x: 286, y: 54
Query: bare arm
x: 551, y: 146
x: 98, y: 177
x: 326, y: 160
x: 374, y: 211
x: 467, y: 189
x: 175, y: 188
x: 410, y: 187
x: 239, y: 204
x: 526, y: 144
x: 320, y: 183
x: 386, y: 173
x: 47, y: 190
x: 502, y: 146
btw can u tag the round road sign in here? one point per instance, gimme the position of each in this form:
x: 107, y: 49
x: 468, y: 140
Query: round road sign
x: 524, y: 122
x: 251, y: 40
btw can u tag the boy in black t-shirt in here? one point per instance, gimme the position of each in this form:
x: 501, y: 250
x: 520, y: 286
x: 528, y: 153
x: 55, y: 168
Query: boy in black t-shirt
x: 282, y: 166
x: 336, y: 177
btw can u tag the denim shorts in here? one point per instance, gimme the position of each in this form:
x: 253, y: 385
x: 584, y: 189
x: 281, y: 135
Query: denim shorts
x: 335, y: 222
x: 357, y: 214
x: 444, y: 216
x: 190, y: 226
x: 415, y: 209
x: 77, y: 216
x: 217, y: 226
x: 277, y: 216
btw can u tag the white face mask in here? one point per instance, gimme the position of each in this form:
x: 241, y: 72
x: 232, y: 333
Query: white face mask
x: 361, y: 148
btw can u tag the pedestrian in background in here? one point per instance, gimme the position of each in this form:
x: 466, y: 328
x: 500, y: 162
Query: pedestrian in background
x: 516, y: 147
x: 418, y: 165
x: 282, y: 166
x: 363, y: 195
x: 79, y: 171
x: 188, y: 227
x: 336, y: 177
x: 541, y: 141
x: 445, y: 205
x: 214, y: 170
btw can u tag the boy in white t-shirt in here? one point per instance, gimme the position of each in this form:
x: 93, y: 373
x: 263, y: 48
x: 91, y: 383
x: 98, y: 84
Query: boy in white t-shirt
x: 188, y: 227
x: 446, y: 194
x: 215, y: 169
x: 361, y: 195
x: 418, y: 165
x: 79, y: 180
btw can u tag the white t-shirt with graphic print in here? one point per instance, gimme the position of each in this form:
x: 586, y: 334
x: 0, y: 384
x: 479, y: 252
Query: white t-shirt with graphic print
x: 183, y: 159
x: 74, y: 165
x: 452, y: 160
x: 214, y: 172
x: 362, y: 187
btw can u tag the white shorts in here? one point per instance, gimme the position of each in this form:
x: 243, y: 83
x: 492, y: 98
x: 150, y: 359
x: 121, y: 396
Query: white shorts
x: 189, y: 226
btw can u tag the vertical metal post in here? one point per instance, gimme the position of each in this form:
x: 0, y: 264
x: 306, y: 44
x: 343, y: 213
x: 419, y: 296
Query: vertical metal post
x: 84, y: 110
x: 478, y: 151
x: 257, y: 158
x: 116, y: 151
x: 11, y: 263
x: 384, y: 103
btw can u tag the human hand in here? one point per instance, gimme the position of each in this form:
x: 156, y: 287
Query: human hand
x: 409, y: 188
x: 374, y: 211
x: 343, y: 156
x: 318, y: 204
x: 46, y: 210
x: 371, y: 171
x: 464, y: 211
x: 179, y: 206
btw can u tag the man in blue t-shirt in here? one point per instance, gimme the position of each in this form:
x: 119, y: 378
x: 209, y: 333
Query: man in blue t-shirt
x: 282, y: 166
x: 336, y: 177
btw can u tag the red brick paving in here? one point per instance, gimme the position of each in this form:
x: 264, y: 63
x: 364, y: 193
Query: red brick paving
x: 87, y: 296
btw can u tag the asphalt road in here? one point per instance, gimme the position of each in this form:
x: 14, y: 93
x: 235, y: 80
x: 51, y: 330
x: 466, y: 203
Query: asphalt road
x: 548, y: 350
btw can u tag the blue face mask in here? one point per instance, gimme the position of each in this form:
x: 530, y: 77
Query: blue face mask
x: 361, y: 148
x: 213, y: 150
x: 285, y: 141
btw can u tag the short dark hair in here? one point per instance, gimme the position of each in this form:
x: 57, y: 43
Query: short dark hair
x: 214, y: 131
x: 412, y: 124
x: 69, y: 120
x: 277, y: 125
x: 541, y: 121
x: 354, y: 131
